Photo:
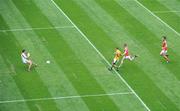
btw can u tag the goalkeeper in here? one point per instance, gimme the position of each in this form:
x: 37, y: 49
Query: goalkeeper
x: 25, y: 59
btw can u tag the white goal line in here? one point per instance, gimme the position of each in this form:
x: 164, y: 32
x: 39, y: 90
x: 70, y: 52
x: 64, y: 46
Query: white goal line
x: 64, y: 97
x: 40, y: 28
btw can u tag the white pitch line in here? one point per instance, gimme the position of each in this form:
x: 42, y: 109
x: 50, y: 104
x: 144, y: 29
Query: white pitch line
x: 64, y: 97
x: 165, y: 11
x: 39, y: 108
x: 158, y: 18
x: 29, y: 29
x: 85, y: 37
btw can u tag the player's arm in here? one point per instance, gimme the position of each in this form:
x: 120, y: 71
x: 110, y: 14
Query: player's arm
x: 123, y: 53
x: 25, y: 55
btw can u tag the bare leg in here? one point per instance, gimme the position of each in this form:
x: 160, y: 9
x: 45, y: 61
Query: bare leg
x: 167, y: 59
x: 122, y: 61
x: 30, y: 65
x: 133, y: 57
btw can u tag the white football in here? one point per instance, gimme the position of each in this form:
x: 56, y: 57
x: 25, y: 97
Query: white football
x: 48, y: 62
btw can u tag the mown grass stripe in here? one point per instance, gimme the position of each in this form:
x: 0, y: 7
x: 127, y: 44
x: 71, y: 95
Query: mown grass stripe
x: 23, y: 80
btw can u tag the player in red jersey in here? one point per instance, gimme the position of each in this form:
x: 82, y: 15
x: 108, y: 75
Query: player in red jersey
x: 164, y: 49
x: 126, y: 55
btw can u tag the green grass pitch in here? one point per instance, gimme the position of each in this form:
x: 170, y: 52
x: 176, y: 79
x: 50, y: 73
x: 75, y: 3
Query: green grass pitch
x: 78, y: 37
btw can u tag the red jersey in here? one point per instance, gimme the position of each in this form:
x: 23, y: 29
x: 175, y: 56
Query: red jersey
x: 164, y: 45
x: 126, y: 51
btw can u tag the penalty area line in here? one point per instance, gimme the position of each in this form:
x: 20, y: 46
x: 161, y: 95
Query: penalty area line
x: 64, y: 97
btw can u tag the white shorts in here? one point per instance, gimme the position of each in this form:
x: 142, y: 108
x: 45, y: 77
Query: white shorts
x: 25, y: 61
x: 163, y: 52
x: 127, y: 57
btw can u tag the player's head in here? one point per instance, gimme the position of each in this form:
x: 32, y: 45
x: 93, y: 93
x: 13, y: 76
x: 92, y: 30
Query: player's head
x: 125, y: 45
x: 116, y: 48
x: 164, y: 38
x: 23, y: 50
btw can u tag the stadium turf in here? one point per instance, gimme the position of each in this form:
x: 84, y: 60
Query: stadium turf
x: 79, y: 37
